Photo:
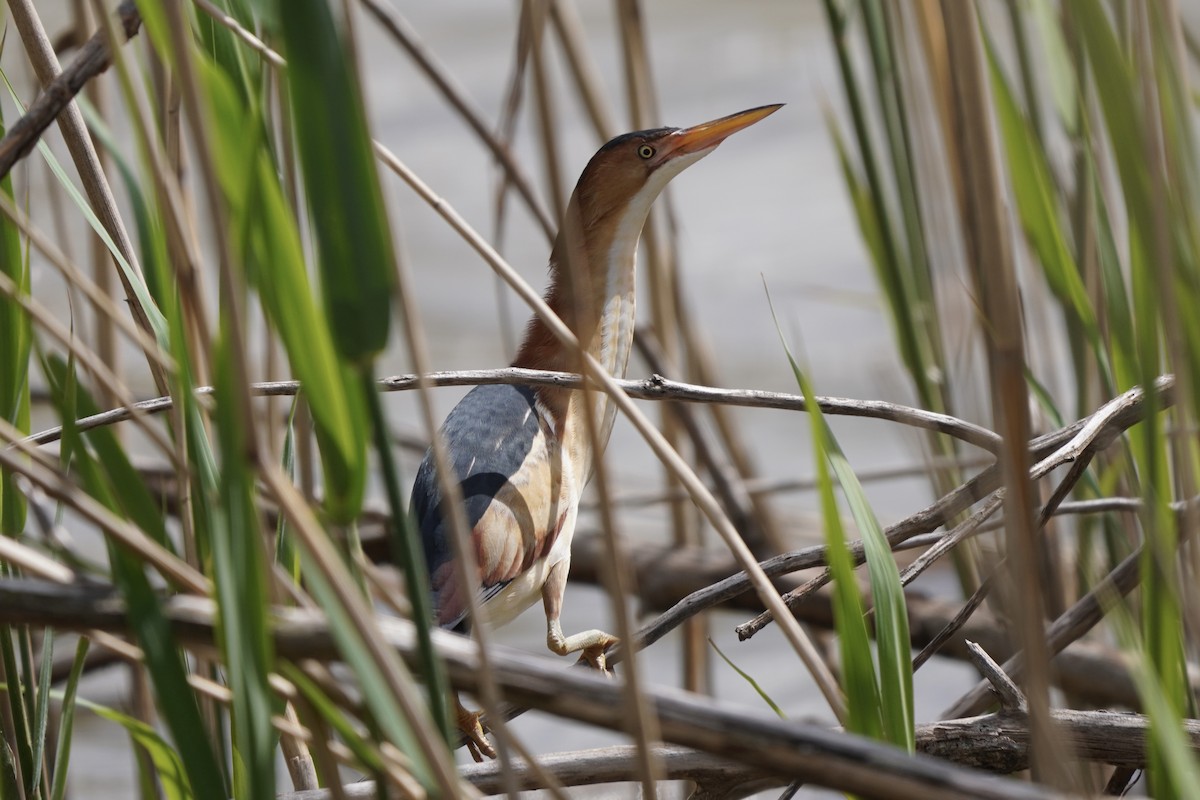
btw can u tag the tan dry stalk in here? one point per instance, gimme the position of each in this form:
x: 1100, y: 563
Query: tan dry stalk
x: 989, y: 239
x: 87, y: 163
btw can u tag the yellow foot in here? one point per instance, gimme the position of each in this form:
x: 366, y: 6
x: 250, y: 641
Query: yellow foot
x: 475, y: 734
x: 596, y: 655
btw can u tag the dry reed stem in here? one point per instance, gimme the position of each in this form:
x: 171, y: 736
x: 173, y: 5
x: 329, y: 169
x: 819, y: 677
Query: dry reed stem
x: 105, y: 306
x: 56, y: 485
x: 1076, y: 621
x: 533, y: 17
x: 770, y: 537
x: 506, y: 130
x: 410, y: 40
x: 641, y: 723
x: 62, y: 86
x: 79, y: 142
x: 727, y: 481
x: 87, y: 358
x: 247, y: 37
x: 1062, y: 446
x: 996, y: 742
x: 231, y: 284
x: 769, y: 486
x: 104, y: 326
x: 465, y: 561
x: 316, y: 541
x: 585, y: 73
x: 166, y: 172
x: 618, y: 578
x: 965, y: 529
x: 33, y: 562
x: 1006, y: 689
x: 1046, y: 509
x: 989, y: 246
x: 665, y: 574
x: 662, y: 271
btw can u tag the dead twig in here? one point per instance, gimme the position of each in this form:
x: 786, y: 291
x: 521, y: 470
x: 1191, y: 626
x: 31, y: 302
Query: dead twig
x: 1007, y: 690
x: 1074, y: 623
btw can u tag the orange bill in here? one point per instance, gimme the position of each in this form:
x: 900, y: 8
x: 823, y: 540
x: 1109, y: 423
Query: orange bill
x: 710, y: 134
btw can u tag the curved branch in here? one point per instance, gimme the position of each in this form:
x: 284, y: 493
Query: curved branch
x: 653, y: 388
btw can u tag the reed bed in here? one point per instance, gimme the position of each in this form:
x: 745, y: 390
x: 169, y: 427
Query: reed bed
x: 1024, y: 177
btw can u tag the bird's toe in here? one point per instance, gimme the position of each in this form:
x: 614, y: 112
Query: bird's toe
x: 472, y: 728
x: 596, y: 655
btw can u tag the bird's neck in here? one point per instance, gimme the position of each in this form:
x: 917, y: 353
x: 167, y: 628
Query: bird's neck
x: 592, y: 280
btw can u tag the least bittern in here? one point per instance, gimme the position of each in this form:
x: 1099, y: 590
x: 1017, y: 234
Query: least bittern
x: 522, y: 455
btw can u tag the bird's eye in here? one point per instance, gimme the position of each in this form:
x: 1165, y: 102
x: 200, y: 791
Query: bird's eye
x: 646, y: 151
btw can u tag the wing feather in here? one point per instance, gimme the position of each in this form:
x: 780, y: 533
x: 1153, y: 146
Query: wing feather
x: 505, y: 459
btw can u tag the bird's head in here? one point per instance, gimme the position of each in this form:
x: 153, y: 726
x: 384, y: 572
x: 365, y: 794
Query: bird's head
x: 628, y: 173
x: 593, y: 261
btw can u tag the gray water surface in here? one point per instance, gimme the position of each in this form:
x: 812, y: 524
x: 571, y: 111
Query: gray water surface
x: 768, y: 207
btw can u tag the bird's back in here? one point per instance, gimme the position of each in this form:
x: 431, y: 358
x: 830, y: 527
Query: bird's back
x: 505, y: 460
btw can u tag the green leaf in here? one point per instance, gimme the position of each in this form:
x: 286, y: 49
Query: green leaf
x: 1064, y: 88
x: 269, y: 244
x: 151, y: 239
x: 243, y: 66
x: 10, y: 784
x: 164, y: 664
x: 1036, y: 196
x: 23, y: 757
x: 66, y: 722
x: 169, y: 767
x: 154, y: 316
x: 1178, y: 774
x: 341, y: 184
x: 286, y: 555
x: 121, y: 478
x: 240, y: 577
x: 880, y: 703
x: 1118, y: 94
x: 15, y: 339
x: 748, y: 679
x: 349, y: 733
x: 376, y: 693
x: 41, y: 712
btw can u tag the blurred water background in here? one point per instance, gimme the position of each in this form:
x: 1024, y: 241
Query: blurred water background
x: 767, y: 208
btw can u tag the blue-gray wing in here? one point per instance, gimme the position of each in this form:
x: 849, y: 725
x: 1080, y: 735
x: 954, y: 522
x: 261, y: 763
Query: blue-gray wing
x: 501, y: 452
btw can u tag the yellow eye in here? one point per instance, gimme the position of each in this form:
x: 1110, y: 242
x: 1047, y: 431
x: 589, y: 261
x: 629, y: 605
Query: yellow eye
x: 646, y: 151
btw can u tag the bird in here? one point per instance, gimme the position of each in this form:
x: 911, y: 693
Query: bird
x: 522, y: 455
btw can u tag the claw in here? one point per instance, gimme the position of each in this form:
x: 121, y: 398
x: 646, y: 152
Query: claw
x: 596, y: 656
x: 474, y: 732
x: 591, y: 645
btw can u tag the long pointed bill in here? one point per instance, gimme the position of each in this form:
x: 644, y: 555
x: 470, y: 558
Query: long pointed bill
x: 708, y: 135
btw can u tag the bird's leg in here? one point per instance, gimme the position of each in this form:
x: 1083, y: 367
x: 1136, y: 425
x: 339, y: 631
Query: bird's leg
x: 594, y: 644
x: 473, y: 731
